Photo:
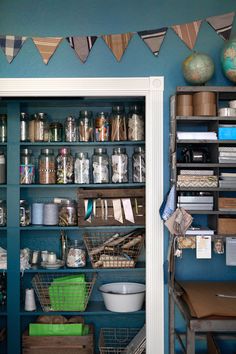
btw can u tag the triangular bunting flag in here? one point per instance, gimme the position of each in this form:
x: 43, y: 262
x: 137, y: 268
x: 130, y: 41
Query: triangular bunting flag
x: 188, y: 32
x: 11, y: 46
x: 118, y: 43
x: 46, y: 46
x: 222, y: 24
x: 82, y: 45
x: 154, y: 39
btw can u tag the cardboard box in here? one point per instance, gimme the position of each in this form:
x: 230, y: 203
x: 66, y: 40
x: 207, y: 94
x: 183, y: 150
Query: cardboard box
x: 227, y: 203
x: 227, y: 226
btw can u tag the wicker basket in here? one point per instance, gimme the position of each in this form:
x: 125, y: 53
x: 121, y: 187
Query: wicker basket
x: 115, y: 340
x: 114, y: 250
x: 62, y: 292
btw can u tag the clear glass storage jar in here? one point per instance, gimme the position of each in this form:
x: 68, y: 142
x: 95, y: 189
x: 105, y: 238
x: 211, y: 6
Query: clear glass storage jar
x: 76, y: 254
x: 118, y: 124
x: 24, y: 127
x: 70, y: 129
x: 3, y: 128
x: 27, y: 168
x: 136, y: 123
x: 102, y: 128
x: 85, y: 126
x: 65, y: 166
x: 119, y: 165
x: 39, y: 126
x: 138, y: 165
x: 3, y: 213
x: 25, y: 213
x: 47, y: 167
x: 81, y: 168
x: 2, y: 168
x: 68, y: 213
x: 55, y: 132
x: 100, y: 162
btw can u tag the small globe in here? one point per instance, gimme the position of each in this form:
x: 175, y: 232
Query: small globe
x: 198, y: 68
x: 228, y: 59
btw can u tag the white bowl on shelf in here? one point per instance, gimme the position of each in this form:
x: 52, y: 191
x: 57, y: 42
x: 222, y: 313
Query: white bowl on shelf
x: 123, y: 297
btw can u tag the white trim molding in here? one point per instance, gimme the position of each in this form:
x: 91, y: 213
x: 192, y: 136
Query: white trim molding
x: 151, y: 88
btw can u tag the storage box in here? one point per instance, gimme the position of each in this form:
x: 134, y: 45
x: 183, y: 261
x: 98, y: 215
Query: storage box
x: 227, y: 226
x: 227, y: 133
x: 227, y: 204
x: 58, y: 344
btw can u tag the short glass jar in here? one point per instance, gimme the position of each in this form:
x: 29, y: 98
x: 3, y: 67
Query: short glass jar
x: 47, y: 167
x: 85, y: 128
x: 55, y: 132
x: 135, y: 123
x: 138, y: 165
x: 118, y: 124
x: 119, y: 165
x: 25, y: 213
x: 70, y: 129
x: 68, y: 213
x: 76, y: 254
x: 100, y: 162
x: 3, y: 128
x: 81, y: 168
x: 65, y: 166
x: 3, y: 213
x: 102, y: 127
x: 27, y: 167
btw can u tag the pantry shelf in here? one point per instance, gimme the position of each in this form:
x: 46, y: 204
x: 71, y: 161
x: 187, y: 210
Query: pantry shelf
x: 91, y: 185
x: 90, y: 143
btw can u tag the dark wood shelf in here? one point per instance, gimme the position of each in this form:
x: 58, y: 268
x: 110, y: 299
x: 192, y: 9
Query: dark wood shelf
x: 205, y: 118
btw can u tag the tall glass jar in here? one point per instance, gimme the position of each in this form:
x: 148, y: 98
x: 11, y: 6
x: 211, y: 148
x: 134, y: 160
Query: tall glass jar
x: 39, y: 126
x: 3, y: 128
x: 55, y: 132
x: 138, y: 165
x: 81, y: 168
x: 85, y: 126
x: 31, y: 127
x: 47, y: 167
x: 135, y: 123
x: 68, y: 213
x: 119, y: 165
x: 102, y: 128
x: 27, y: 168
x: 100, y: 162
x: 70, y: 129
x: 25, y: 213
x: 24, y: 127
x: 65, y: 166
x: 3, y: 213
x: 2, y: 168
x: 118, y: 124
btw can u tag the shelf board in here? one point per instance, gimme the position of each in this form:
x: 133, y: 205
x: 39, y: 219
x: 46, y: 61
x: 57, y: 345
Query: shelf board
x: 205, y: 118
x: 91, y: 185
x: 45, y: 228
x: 89, y: 143
x: 212, y: 212
x: 93, y: 308
x: 204, y: 141
x: 213, y: 164
x: 206, y: 189
x: 191, y: 89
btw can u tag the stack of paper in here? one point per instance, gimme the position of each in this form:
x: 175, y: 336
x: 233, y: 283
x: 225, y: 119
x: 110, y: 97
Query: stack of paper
x: 227, y: 180
x: 195, y: 202
x: 196, y: 136
x: 199, y: 231
x: 227, y: 154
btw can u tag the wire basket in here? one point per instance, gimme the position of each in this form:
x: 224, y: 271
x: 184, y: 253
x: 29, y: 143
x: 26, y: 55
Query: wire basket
x: 116, y: 340
x: 114, y: 250
x: 62, y: 292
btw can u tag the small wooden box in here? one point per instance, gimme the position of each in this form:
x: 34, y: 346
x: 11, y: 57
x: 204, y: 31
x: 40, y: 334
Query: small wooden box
x: 227, y: 203
x: 58, y: 344
x: 136, y: 196
x: 227, y: 226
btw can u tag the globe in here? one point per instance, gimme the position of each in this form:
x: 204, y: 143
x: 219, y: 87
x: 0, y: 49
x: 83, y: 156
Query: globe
x: 228, y: 59
x: 198, y: 68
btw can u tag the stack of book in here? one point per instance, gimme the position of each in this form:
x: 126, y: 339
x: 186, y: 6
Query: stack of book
x: 227, y: 154
x: 197, y: 178
x: 227, y: 180
x: 195, y: 202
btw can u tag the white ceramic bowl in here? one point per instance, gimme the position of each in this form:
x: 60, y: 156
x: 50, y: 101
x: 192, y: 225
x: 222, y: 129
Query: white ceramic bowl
x: 123, y: 297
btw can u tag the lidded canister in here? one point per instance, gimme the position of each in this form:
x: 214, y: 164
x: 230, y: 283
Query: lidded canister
x: 24, y: 127
x: 102, y: 127
x: 70, y: 129
x: 3, y: 213
x: 119, y: 165
x: 85, y: 126
x: 55, y: 132
x: 39, y: 126
x: 25, y: 213
x: 68, y: 213
x: 100, y: 162
x: 47, y: 167
x: 27, y: 168
x: 81, y: 168
x: 2, y: 168
x: 118, y: 124
x: 135, y: 123
x: 31, y: 127
x: 64, y: 166
x: 138, y: 165
x: 3, y: 128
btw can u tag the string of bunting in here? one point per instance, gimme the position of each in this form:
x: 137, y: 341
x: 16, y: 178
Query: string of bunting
x: 118, y: 43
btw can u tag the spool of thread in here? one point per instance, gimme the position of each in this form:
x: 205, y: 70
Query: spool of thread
x: 30, y: 304
x: 37, y: 213
x: 50, y: 214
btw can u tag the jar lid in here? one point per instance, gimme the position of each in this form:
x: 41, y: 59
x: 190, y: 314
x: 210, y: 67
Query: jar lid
x: 55, y: 125
x: 139, y: 149
x: 81, y: 155
x: 70, y: 119
x: 42, y: 115
x: 3, y: 116
x: 24, y: 115
x: 100, y: 151
x: 26, y: 152
x: 85, y: 113
x: 64, y: 151
x: 119, y: 150
x: 47, y: 151
x: 135, y: 108
x: 118, y: 109
x: 23, y: 201
x: 68, y: 202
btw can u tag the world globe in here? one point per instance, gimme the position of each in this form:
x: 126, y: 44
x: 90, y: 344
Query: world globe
x: 228, y: 59
x: 198, y: 68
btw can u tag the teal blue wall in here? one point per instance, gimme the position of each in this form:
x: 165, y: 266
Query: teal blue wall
x: 91, y: 17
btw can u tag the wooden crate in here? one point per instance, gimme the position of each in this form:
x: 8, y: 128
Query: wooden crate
x: 58, y: 344
x: 137, y: 197
x: 227, y: 226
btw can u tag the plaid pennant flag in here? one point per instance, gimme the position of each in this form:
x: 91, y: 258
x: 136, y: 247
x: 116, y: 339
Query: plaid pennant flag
x: 82, y: 45
x: 46, y: 46
x: 11, y: 46
x: 117, y: 43
x: 188, y: 32
x: 154, y: 39
x: 222, y: 24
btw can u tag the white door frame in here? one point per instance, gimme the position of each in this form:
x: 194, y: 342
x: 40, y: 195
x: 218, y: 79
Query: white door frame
x: 152, y: 89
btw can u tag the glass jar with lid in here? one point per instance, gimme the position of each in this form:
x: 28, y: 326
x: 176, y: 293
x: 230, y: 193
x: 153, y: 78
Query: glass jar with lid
x: 55, y: 132
x: 68, y: 213
x: 47, y: 167
x: 31, y: 127
x: 64, y: 166
x: 3, y: 213
x: 27, y: 168
x: 3, y: 128
x: 138, y: 165
x: 25, y: 213
x: 39, y: 126
x: 136, y: 123
x: 100, y: 162
x: 70, y: 129
x: 81, y: 168
x: 76, y: 254
x: 102, y: 128
x: 85, y: 126
x: 119, y: 165
x: 24, y: 127
x: 118, y: 124
x: 2, y: 168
